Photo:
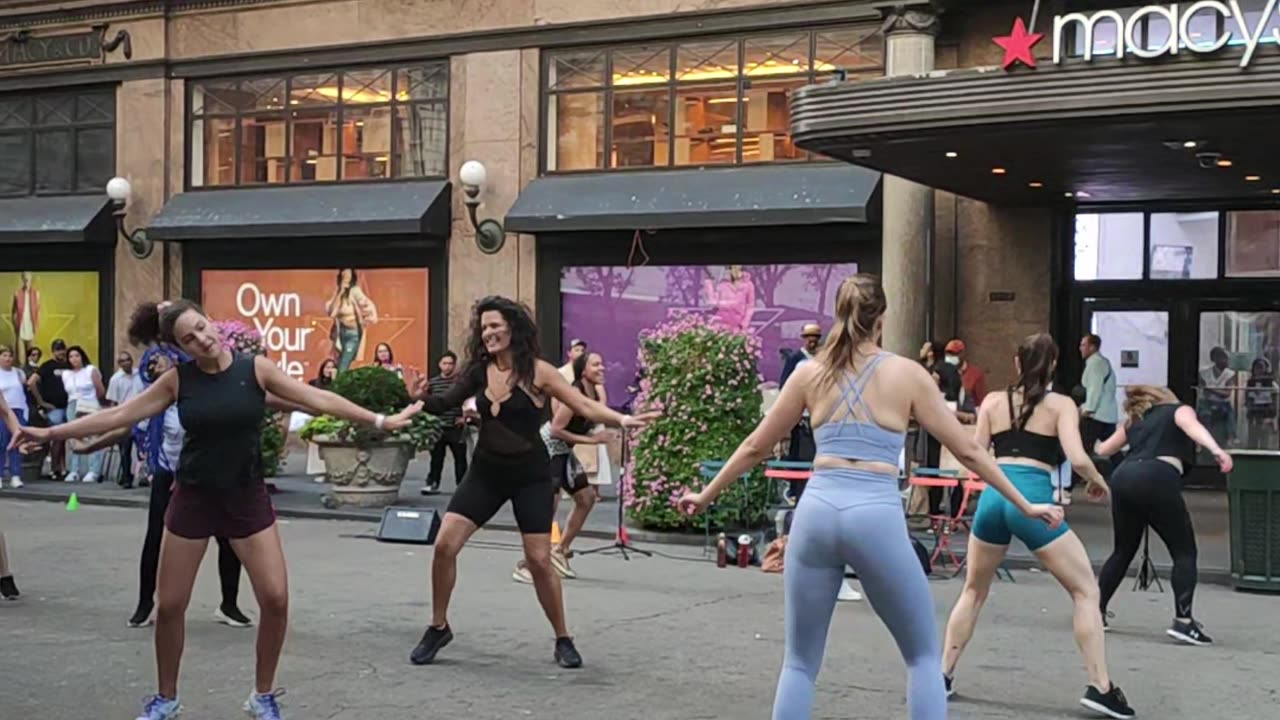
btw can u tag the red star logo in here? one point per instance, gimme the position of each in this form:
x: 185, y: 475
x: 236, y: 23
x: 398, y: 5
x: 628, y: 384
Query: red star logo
x: 1017, y: 45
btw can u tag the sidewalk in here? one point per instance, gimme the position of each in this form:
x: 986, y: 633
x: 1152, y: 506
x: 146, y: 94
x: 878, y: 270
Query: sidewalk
x: 299, y: 496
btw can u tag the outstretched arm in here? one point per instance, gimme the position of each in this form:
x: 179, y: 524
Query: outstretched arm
x: 1190, y: 424
x: 1113, y: 444
x: 102, y: 442
x: 550, y: 381
x: 560, y: 427
x: 151, y: 402
x: 275, y: 382
x: 1073, y: 445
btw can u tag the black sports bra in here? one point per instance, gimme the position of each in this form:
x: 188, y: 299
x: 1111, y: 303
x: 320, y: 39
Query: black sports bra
x: 1019, y: 442
x: 509, y: 426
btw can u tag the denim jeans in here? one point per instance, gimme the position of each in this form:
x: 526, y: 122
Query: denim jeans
x: 82, y: 464
x: 11, y: 461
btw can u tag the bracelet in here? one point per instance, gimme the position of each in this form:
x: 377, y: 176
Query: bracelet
x: 379, y: 420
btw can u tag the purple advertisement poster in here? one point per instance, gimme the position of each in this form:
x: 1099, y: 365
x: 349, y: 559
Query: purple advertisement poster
x: 608, y: 307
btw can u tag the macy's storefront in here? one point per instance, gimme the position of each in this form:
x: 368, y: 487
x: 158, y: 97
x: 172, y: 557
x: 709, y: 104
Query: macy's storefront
x: 1118, y: 164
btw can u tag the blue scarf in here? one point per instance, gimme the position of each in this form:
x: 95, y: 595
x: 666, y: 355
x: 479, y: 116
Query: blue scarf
x: 151, y: 440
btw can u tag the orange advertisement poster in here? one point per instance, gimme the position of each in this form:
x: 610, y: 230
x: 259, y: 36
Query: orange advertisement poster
x: 309, y: 316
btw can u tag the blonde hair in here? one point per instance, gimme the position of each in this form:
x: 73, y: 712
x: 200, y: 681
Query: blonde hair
x: 1139, y: 399
x: 860, y: 303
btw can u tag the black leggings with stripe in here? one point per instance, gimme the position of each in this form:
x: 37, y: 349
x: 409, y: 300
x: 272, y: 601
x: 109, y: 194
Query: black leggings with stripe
x: 1148, y: 493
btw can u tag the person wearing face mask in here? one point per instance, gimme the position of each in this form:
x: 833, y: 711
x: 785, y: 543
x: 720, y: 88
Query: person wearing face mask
x: 511, y: 387
x: 221, y: 399
x: 972, y: 380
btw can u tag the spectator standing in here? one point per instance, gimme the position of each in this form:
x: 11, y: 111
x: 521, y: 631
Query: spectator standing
x: 1100, y: 411
x: 972, y: 379
x: 86, y: 395
x: 14, y: 388
x: 453, y: 439
x: 51, y: 400
x: 124, y: 384
x: 801, y: 447
x: 576, y: 348
x: 811, y: 335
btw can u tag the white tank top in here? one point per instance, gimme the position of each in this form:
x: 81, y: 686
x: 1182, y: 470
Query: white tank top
x: 15, y: 392
x: 81, y: 389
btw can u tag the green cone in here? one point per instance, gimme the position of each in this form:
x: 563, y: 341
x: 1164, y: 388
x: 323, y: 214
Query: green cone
x: 73, y: 503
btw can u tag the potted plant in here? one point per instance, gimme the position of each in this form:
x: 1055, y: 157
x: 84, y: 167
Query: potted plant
x: 364, y: 465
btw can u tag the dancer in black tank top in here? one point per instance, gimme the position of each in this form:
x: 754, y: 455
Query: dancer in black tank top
x: 510, y: 385
x: 1147, y: 492
x: 221, y: 398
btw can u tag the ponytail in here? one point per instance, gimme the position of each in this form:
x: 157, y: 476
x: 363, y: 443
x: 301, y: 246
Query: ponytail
x: 1037, y: 357
x: 860, y: 303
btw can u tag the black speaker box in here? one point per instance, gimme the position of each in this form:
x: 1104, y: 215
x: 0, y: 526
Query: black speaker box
x: 415, y: 525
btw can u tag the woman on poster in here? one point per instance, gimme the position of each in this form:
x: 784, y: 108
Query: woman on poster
x: 733, y: 297
x: 26, y: 313
x: 351, y: 310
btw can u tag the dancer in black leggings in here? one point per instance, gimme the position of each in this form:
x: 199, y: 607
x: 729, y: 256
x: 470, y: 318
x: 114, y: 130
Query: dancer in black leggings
x: 162, y: 444
x: 510, y: 385
x: 1146, y: 491
x: 221, y: 399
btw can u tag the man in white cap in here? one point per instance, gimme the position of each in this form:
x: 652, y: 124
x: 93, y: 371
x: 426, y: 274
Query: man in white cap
x: 811, y: 333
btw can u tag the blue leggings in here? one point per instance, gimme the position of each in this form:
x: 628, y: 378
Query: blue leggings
x: 855, y: 518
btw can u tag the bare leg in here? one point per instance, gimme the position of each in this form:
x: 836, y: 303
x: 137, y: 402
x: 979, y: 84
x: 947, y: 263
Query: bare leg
x: 263, y: 558
x: 1067, y: 560
x: 537, y: 557
x: 583, y: 501
x: 4, y: 559
x: 982, y: 561
x: 179, y: 562
x: 454, y: 533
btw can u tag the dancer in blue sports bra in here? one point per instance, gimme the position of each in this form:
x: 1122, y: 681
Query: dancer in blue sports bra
x: 861, y: 400
x: 1030, y: 428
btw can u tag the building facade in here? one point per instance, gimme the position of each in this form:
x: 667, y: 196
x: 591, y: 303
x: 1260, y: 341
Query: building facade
x: 296, y: 164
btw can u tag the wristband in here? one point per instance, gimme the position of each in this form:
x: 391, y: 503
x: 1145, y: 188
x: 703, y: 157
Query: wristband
x: 379, y: 420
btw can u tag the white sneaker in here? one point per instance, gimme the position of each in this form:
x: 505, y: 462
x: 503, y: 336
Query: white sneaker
x: 15, y: 482
x: 89, y: 478
x: 72, y: 477
x: 848, y: 594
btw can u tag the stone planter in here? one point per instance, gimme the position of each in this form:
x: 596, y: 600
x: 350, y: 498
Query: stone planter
x: 364, y: 475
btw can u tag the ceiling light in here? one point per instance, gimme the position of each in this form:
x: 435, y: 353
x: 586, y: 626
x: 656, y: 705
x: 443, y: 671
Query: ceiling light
x: 1190, y: 144
x: 953, y: 153
x: 1035, y: 184
x: 1275, y: 191
x: 1224, y: 163
x: 1253, y: 178
x: 998, y: 171
x: 1081, y: 193
x: 1070, y: 195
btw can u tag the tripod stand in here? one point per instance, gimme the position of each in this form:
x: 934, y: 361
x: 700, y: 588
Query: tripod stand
x: 622, y: 540
x: 1147, y: 575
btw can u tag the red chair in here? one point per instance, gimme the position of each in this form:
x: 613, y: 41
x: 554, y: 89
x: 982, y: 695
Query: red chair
x: 941, y: 524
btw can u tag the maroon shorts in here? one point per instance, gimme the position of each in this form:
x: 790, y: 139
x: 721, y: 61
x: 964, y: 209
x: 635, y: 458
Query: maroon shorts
x: 238, y: 512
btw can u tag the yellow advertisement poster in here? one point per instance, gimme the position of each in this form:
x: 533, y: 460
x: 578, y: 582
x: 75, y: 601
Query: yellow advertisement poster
x: 43, y: 305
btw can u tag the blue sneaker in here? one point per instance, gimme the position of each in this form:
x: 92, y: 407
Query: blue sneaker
x: 158, y: 707
x: 263, y: 706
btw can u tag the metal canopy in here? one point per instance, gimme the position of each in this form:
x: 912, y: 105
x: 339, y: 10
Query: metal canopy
x: 61, y: 219
x: 1121, y: 131
x: 374, y: 209
x: 795, y: 194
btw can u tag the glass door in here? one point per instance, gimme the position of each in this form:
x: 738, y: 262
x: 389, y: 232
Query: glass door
x: 1135, y: 338
x: 1236, y: 385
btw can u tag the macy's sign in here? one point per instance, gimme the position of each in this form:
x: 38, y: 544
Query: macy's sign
x: 1237, y: 30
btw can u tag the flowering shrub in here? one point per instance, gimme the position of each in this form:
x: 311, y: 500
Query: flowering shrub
x: 241, y: 338
x: 704, y: 379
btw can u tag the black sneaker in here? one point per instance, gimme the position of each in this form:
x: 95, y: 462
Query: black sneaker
x: 433, y: 640
x: 950, y: 683
x: 141, y: 617
x: 1106, y: 620
x: 566, y: 654
x: 8, y: 588
x: 231, y: 615
x: 1190, y: 633
x: 1112, y: 703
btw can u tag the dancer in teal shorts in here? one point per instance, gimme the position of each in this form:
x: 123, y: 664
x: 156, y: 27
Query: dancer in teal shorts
x: 1030, y: 428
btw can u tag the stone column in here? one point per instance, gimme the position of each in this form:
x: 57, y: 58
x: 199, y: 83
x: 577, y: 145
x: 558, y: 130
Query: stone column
x: 908, y: 207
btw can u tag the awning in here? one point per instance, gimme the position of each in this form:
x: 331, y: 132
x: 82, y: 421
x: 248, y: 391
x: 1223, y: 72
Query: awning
x: 382, y: 209
x: 799, y: 194
x: 62, y: 219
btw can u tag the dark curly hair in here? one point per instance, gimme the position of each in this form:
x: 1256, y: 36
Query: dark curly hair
x: 524, y: 338
x: 152, y: 323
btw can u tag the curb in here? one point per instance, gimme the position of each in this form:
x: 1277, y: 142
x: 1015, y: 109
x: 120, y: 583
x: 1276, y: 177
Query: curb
x: 1209, y: 576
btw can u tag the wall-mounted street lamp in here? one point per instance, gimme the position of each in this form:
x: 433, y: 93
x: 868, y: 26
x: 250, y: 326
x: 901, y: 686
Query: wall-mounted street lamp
x: 119, y: 190
x: 490, y: 236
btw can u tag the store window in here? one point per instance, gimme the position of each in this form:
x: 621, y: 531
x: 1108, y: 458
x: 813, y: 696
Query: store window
x: 308, y: 316
x: 49, y: 305
x: 57, y: 143
x: 1253, y: 243
x: 609, y: 306
x: 1109, y: 246
x: 348, y: 125
x: 1236, y: 384
x: 713, y: 101
x: 1184, y: 246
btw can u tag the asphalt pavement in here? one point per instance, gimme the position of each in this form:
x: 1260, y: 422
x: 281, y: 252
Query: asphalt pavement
x: 668, y: 637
